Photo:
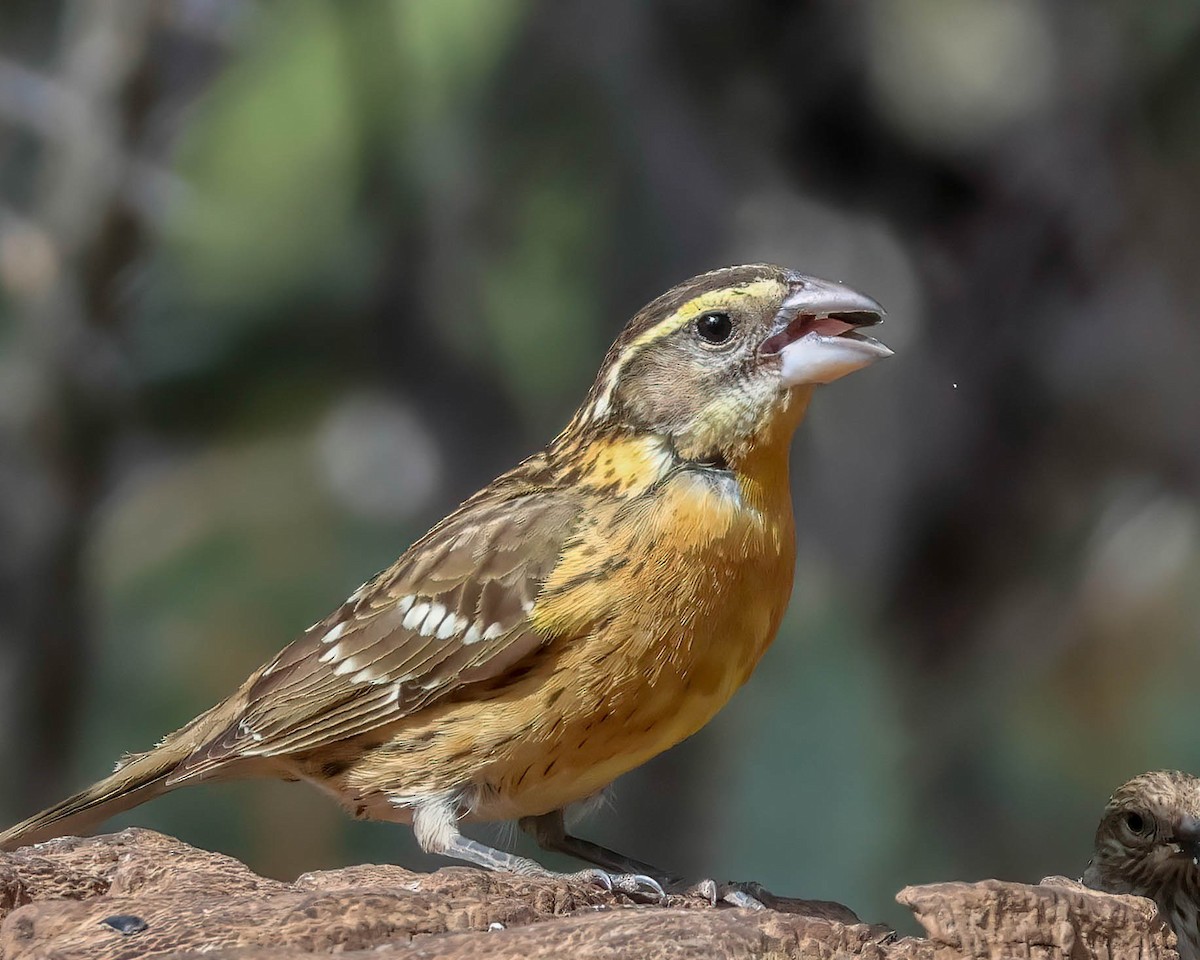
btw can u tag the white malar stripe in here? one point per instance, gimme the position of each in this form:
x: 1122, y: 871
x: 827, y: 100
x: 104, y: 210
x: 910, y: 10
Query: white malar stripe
x: 600, y: 408
x: 436, y: 613
x: 334, y: 633
x: 473, y: 635
x: 333, y: 653
x: 493, y: 631
x: 448, y: 628
x: 415, y: 616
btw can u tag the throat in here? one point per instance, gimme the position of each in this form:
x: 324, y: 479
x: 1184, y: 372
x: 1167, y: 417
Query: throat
x: 759, y: 460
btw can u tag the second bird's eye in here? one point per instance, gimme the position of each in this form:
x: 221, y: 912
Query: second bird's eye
x: 1135, y: 822
x: 715, y: 327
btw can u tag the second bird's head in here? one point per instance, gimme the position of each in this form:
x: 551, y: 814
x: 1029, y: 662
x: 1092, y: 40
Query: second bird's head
x: 716, y: 361
x: 1149, y: 837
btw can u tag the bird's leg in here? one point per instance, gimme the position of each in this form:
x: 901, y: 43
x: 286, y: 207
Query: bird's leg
x: 634, y: 884
x: 437, y: 831
x: 480, y: 854
x: 550, y: 833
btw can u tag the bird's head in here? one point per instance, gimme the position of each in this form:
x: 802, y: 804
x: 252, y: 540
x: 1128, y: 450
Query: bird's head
x: 1149, y: 836
x: 717, y: 361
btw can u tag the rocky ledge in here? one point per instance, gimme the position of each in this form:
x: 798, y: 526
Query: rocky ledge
x: 142, y: 894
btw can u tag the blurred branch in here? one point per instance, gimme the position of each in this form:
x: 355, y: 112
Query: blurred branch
x: 60, y: 114
x: 66, y: 337
x: 217, y: 22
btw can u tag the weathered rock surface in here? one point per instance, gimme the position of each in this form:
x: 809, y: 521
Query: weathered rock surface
x: 142, y: 894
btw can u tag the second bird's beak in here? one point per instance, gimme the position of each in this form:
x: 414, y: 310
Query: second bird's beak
x: 816, y: 336
x: 1187, y: 838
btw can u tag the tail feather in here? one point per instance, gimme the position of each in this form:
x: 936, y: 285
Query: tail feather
x: 140, y: 778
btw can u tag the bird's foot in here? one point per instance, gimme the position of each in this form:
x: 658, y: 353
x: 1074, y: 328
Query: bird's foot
x: 637, y: 886
x: 749, y: 896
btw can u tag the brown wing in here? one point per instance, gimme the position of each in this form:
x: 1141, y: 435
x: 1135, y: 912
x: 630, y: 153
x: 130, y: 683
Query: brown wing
x: 453, y: 610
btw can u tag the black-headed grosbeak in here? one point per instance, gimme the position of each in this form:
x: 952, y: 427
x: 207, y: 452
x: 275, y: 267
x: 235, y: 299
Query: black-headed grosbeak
x: 585, y: 611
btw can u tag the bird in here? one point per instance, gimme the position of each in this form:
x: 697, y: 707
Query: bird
x: 1148, y: 844
x: 585, y: 611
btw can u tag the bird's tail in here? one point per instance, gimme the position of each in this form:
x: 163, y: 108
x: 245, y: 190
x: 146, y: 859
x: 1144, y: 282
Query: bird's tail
x: 138, y: 778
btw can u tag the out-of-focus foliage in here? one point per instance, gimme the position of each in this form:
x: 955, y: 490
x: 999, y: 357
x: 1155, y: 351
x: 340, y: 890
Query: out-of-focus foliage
x: 282, y: 283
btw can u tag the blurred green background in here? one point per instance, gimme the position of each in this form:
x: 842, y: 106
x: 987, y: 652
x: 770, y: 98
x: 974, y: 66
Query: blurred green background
x: 281, y: 283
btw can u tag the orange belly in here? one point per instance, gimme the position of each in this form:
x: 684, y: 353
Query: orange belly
x: 646, y: 651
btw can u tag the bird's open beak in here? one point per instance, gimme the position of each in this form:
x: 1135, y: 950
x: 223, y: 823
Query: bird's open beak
x: 1187, y: 839
x: 816, y: 335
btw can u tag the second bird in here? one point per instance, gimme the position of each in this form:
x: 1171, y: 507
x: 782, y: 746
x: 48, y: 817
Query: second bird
x: 1148, y: 844
x: 585, y: 611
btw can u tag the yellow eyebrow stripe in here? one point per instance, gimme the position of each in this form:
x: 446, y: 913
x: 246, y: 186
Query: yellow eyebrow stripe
x: 712, y: 300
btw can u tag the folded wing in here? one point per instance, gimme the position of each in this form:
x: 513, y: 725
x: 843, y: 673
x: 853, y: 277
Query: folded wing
x: 453, y: 610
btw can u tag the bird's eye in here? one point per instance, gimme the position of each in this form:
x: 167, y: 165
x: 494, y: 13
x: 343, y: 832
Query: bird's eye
x: 714, y: 327
x: 1135, y: 822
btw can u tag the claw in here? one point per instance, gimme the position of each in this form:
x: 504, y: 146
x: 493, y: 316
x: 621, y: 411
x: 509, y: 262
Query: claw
x: 749, y: 896
x: 598, y: 877
x: 740, y: 898
x: 639, y: 885
x: 636, y: 885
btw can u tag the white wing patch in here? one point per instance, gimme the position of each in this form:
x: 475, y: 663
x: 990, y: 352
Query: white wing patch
x: 449, y: 626
x: 493, y: 631
x: 415, y: 616
x: 428, y: 618
x: 349, y: 665
x: 246, y: 731
x: 433, y: 620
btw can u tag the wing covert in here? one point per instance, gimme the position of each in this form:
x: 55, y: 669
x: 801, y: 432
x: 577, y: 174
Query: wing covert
x: 452, y: 610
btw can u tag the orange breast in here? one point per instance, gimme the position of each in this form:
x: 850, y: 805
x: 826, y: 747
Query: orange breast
x: 656, y: 613
x: 696, y: 586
